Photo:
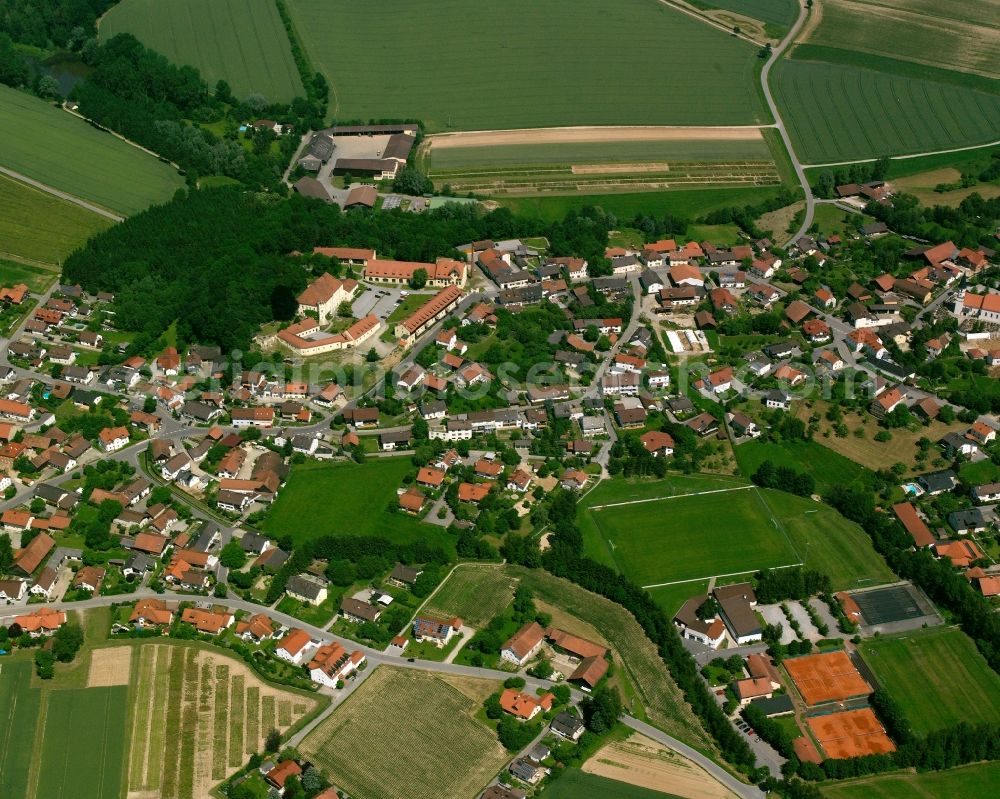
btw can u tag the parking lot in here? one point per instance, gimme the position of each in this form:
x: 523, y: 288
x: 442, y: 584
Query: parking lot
x: 380, y: 301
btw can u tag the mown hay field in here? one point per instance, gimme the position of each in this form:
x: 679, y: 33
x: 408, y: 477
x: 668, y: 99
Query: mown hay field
x: 866, y: 114
x: 198, y: 715
x: 62, y: 151
x: 474, y: 593
x: 40, y: 226
x: 406, y: 734
x: 959, y: 35
x: 240, y: 41
x: 83, y: 748
x: 528, y: 64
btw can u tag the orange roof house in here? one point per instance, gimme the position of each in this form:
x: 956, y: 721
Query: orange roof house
x: 915, y: 526
x: 412, y: 500
x: 205, y: 621
x: 151, y: 611
x: 524, y: 643
x: 258, y: 627
x: 30, y: 558
x: 473, y: 492
x: 281, y: 772
x: 960, y: 553
x: 41, y: 621
x: 524, y: 706
x: 430, y: 476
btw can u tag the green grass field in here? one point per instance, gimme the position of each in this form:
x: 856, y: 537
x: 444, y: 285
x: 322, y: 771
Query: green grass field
x: 40, y: 226
x: 980, y: 472
x: 777, y: 12
x: 83, y: 750
x: 406, y: 308
x: 348, y: 499
x: 962, y: 35
x: 574, y: 783
x: 66, y: 153
x: 824, y: 464
x: 474, y: 593
x: 528, y: 64
x: 419, y: 724
x: 680, y: 537
x: 690, y: 537
x: 240, y: 41
x: 937, y: 676
x: 690, y: 203
x: 866, y: 113
x: 36, y: 278
x: 19, y: 706
x: 959, y: 783
x: 828, y: 542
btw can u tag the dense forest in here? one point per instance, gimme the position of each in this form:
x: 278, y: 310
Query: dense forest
x: 212, y: 260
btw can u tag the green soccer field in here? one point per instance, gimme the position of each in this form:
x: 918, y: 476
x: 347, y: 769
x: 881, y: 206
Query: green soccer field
x: 62, y: 151
x: 41, y: 226
x: 344, y: 499
x: 696, y: 536
x: 19, y: 707
x: 525, y: 63
x: 866, y: 114
x: 240, y: 41
x: 83, y: 751
x: 688, y: 537
x: 937, y: 676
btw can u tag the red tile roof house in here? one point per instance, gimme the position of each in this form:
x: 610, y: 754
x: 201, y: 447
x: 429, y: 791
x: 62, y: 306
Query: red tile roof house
x: 658, y: 443
x: 524, y: 644
x: 331, y: 663
x: 436, y: 631
x: 151, y: 613
x: 720, y: 380
x: 112, y: 439
x: 43, y: 621
x: 295, y: 646
x: 281, y: 772
x: 31, y: 557
x: 524, y: 707
x: 914, y: 525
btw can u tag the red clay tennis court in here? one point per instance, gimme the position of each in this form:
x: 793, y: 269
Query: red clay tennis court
x: 851, y: 734
x: 829, y: 677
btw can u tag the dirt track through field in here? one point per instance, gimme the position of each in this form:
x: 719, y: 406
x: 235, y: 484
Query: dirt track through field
x: 499, y: 138
x: 645, y: 763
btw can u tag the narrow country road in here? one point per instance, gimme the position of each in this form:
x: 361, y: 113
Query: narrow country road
x: 780, y: 124
x: 60, y: 194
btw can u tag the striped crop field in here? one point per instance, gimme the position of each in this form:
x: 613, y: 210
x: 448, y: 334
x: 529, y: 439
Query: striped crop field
x: 961, y: 35
x: 836, y: 112
x: 240, y: 41
x: 524, y: 63
x: 197, y: 716
x: 64, y: 152
x: 602, y: 166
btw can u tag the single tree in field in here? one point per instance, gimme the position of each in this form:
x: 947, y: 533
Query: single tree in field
x: 272, y: 743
